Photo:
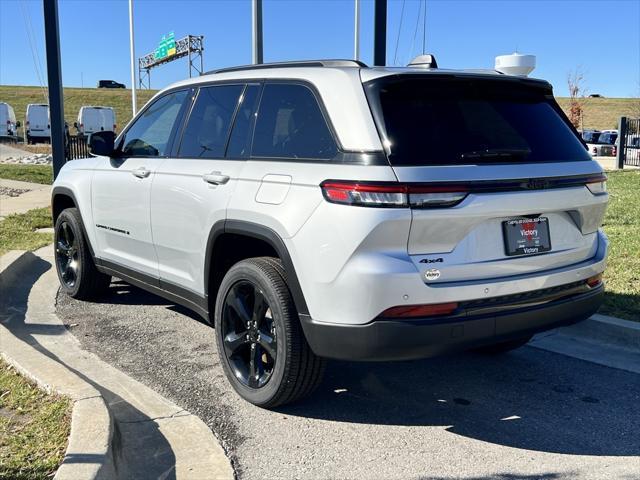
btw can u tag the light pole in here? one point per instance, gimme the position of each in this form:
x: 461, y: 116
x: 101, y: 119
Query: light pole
x: 256, y: 30
x: 356, y: 32
x: 54, y: 80
x: 380, y: 33
x: 134, y: 105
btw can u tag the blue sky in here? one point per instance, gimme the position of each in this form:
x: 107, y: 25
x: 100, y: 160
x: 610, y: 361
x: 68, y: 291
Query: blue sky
x: 600, y: 37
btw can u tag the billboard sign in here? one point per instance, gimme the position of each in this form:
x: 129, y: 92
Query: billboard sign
x: 166, y: 47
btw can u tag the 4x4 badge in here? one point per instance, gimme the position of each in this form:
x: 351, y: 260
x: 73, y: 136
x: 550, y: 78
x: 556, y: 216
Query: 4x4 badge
x: 432, y: 274
x: 432, y: 260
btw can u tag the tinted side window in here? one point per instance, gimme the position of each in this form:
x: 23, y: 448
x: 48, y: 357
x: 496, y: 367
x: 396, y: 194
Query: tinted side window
x: 150, y: 133
x: 205, y: 135
x: 240, y: 141
x: 291, y: 125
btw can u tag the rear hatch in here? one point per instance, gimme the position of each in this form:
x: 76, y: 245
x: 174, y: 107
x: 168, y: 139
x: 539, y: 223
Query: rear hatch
x: 38, y: 118
x: 502, y: 185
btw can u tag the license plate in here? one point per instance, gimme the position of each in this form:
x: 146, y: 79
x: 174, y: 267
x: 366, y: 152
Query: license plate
x: 526, y: 236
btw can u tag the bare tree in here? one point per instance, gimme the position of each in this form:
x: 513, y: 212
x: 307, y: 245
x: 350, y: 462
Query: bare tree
x: 577, y: 94
x: 635, y: 109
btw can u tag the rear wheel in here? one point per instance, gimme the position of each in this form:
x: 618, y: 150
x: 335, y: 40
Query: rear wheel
x: 78, y: 275
x: 503, y: 347
x: 260, y: 341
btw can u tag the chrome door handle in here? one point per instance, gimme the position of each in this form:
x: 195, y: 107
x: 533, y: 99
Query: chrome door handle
x: 215, y: 178
x: 141, y: 172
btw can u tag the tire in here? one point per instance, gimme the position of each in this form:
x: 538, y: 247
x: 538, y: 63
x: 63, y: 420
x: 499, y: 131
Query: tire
x: 77, y: 272
x: 256, y: 289
x: 503, y: 347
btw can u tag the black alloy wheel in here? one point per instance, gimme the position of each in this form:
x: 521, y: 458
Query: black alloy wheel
x: 249, y: 335
x: 67, y: 254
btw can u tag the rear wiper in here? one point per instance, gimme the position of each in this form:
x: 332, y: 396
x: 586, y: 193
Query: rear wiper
x: 497, y: 153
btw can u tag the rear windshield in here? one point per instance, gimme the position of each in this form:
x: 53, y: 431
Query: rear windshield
x: 438, y: 121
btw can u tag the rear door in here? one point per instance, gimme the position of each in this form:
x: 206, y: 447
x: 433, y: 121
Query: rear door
x: 497, y: 176
x: 38, y: 119
x: 192, y: 188
x: 121, y: 187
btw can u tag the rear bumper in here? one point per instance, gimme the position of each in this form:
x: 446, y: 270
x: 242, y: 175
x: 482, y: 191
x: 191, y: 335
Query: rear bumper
x: 383, y: 340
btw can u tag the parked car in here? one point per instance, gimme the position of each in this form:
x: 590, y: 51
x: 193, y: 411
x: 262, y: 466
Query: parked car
x: 110, y: 84
x: 8, y: 124
x: 325, y: 209
x: 604, y: 146
x: 37, y: 126
x: 95, y: 119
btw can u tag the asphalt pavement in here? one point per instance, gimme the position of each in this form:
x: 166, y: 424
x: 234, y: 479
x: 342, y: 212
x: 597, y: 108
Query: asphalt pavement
x: 529, y: 414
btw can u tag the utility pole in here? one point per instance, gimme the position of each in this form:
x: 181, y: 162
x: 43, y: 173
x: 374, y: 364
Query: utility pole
x: 380, y: 33
x: 256, y: 20
x: 134, y: 105
x: 54, y: 80
x: 356, y: 32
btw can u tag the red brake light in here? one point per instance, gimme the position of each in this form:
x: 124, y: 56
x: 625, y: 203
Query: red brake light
x: 394, y: 195
x: 413, y: 311
x: 595, y: 280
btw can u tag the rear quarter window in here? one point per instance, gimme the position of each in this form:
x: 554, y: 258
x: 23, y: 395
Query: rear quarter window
x: 290, y: 124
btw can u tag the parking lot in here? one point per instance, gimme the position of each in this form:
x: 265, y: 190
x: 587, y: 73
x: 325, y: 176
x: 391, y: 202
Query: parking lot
x: 528, y: 414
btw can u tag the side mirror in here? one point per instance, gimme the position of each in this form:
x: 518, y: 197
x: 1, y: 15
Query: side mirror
x: 75, y: 124
x: 102, y: 143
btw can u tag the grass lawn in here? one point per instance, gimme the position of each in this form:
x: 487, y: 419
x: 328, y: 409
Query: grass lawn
x: 27, y: 173
x: 622, y: 225
x: 34, y: 428
x: 119, y: 99
x: 17, y: 231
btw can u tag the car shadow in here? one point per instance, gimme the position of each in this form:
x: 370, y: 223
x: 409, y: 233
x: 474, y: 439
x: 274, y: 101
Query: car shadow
x: 527, y: 399
x: 122, y: 293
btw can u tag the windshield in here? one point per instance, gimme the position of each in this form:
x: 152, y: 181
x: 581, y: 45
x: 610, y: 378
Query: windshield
x: 458, y: 120
x: 590, y: 136
x: 608, y: 138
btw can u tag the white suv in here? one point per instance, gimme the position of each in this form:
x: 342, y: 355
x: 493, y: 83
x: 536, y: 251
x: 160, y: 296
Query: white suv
x: 324, y: 209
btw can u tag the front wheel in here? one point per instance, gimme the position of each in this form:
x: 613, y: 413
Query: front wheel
x: 78, y: 275
x: 261, y: 346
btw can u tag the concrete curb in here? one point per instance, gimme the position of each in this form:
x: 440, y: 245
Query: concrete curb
x: 120, y: 427
x: 617, y: 331
x: 92, y: 426
x: 604, y: 340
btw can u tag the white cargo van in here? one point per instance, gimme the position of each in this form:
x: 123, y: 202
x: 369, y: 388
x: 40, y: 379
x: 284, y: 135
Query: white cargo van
x: 37, y: 127
x: 95, y: 119
x: 8, y: 124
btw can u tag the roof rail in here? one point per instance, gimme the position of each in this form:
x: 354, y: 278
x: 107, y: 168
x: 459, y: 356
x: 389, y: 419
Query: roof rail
x: 292, y: 64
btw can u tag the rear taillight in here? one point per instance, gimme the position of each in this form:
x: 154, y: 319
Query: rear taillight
x: 392, y: 195
x: 594, y: 150
x: 614, y: 151
x: 415, y: 311
x: 114, y: 127
x: 597, y: 184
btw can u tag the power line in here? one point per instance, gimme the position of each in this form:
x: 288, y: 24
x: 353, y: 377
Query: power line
x: 395, y: 56
x: 415, y: 32
x: 34, y: 53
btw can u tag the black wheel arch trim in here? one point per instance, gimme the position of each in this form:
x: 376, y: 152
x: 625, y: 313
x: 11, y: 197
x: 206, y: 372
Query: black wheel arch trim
x: 269, y: 236
x: 67, y: 192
